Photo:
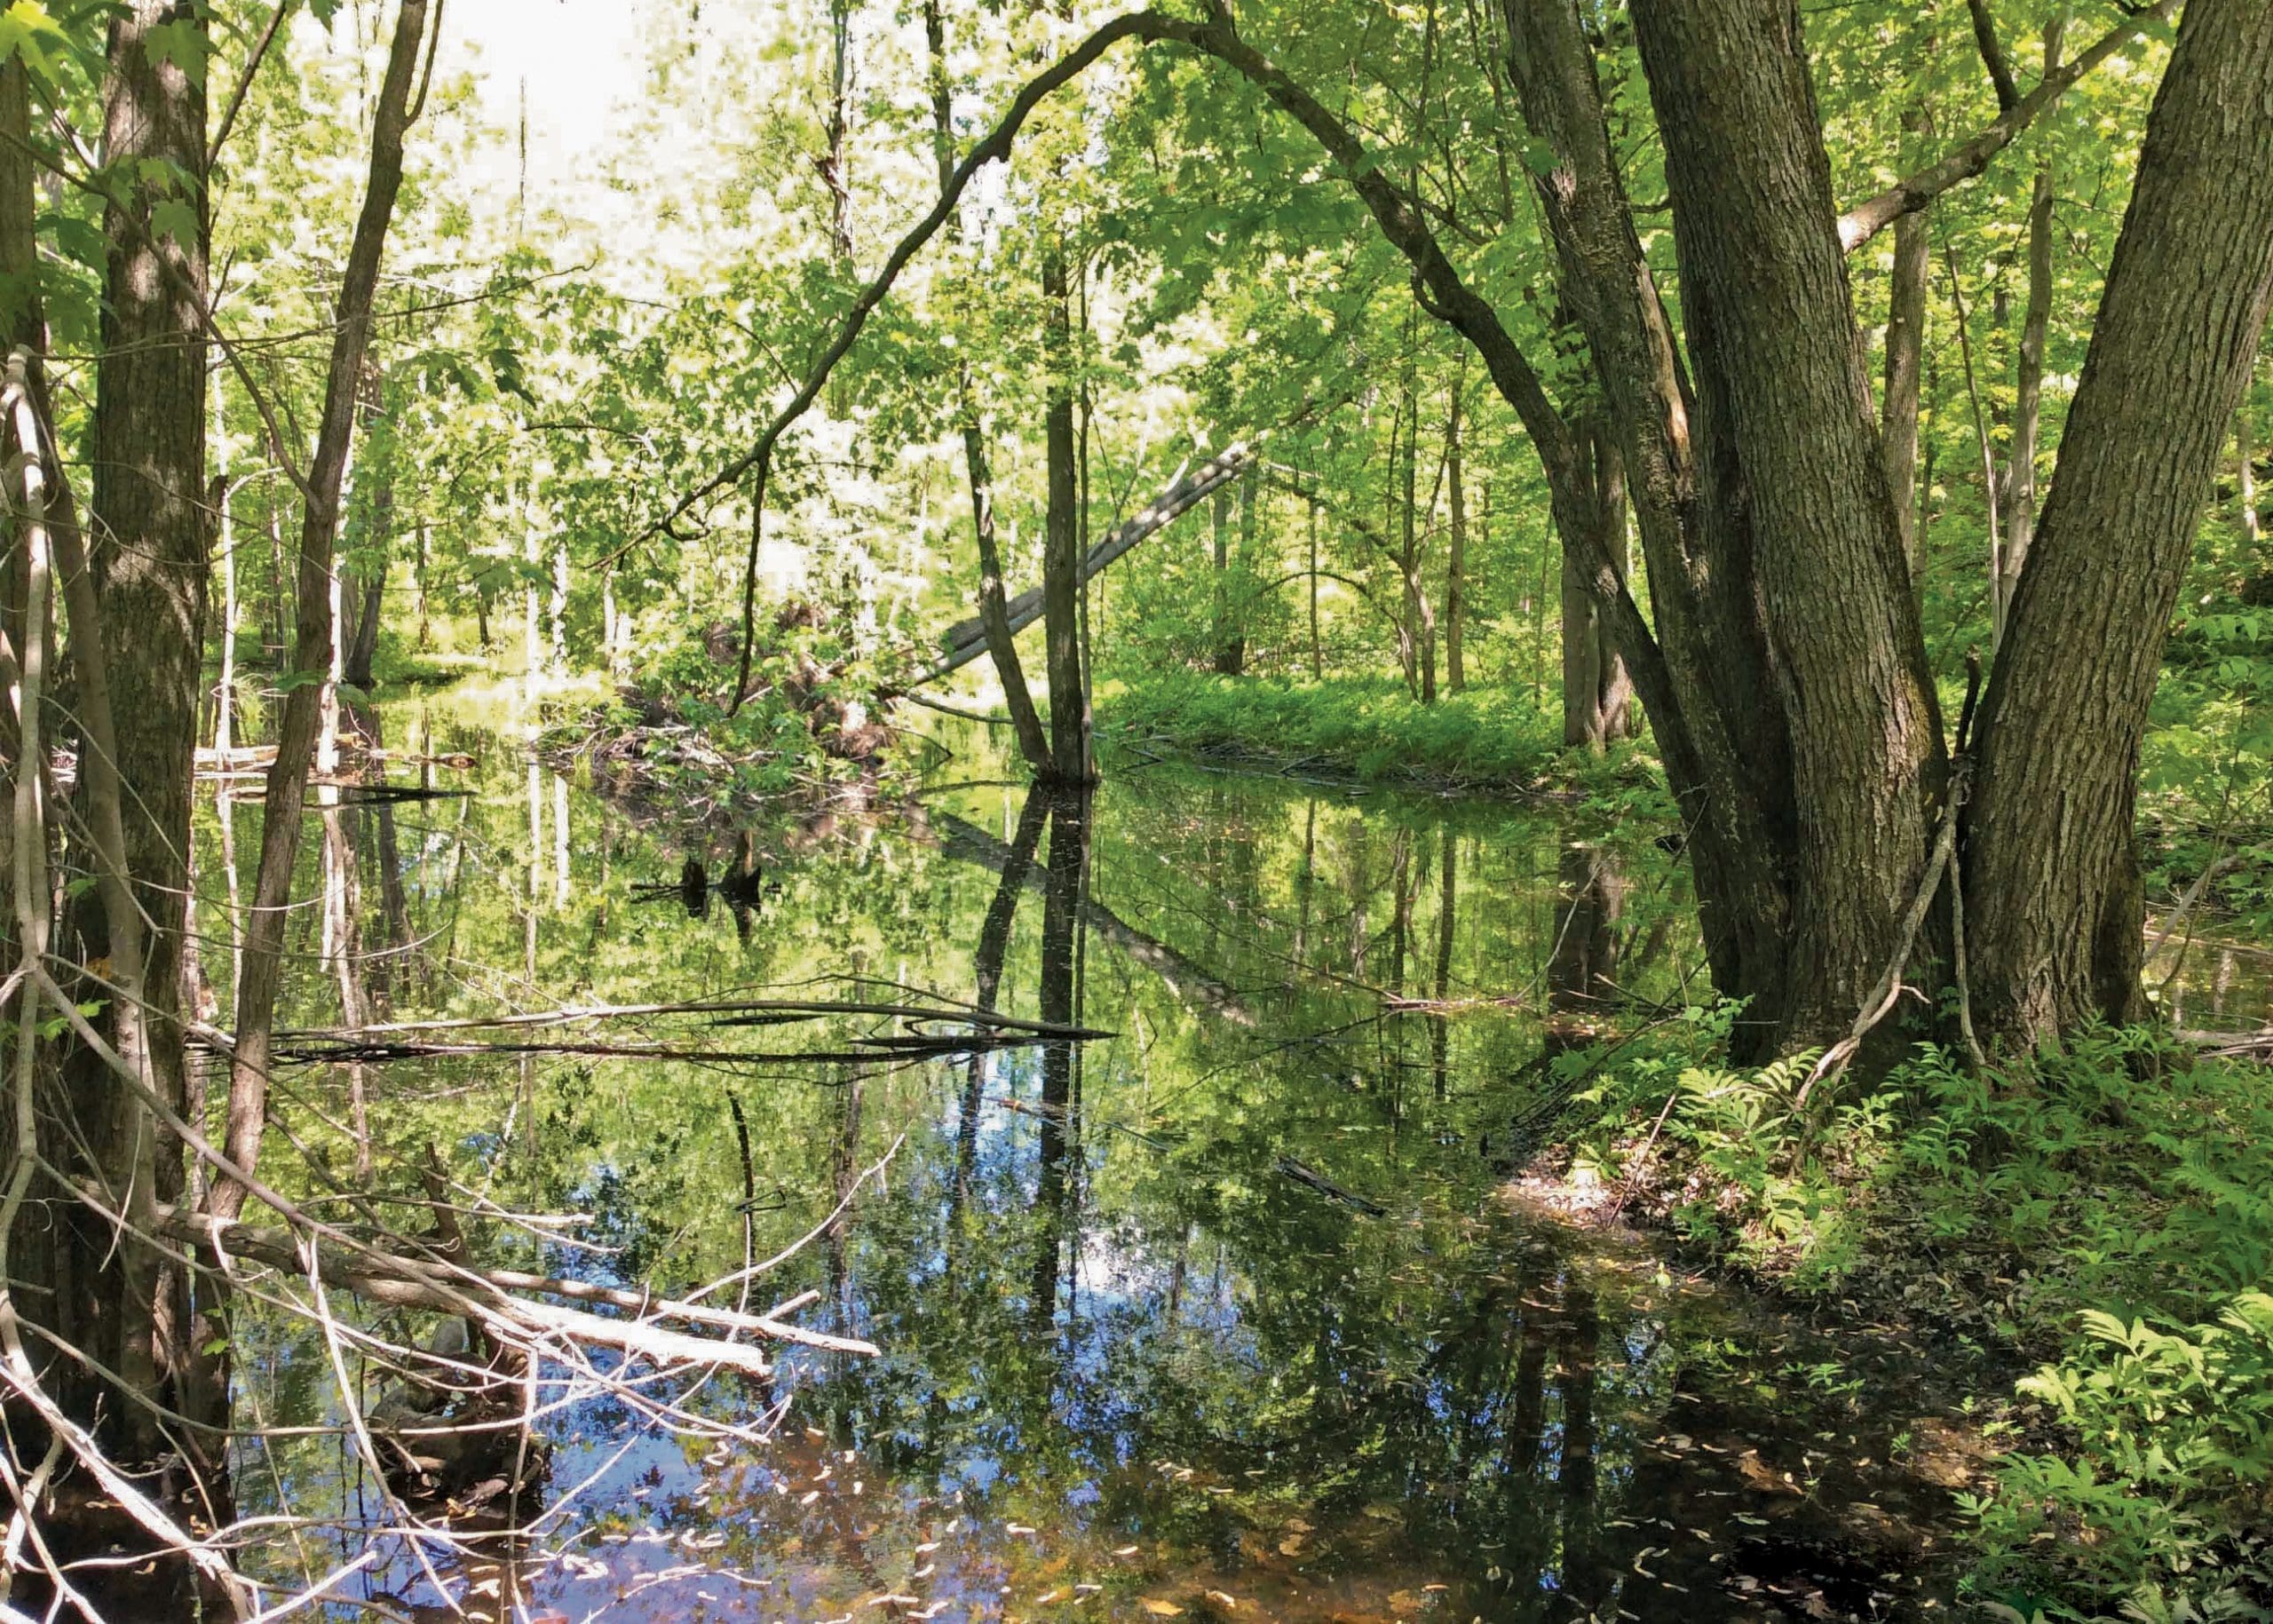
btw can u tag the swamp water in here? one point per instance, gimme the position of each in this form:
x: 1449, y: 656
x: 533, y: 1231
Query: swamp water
x: 1228, y: 1314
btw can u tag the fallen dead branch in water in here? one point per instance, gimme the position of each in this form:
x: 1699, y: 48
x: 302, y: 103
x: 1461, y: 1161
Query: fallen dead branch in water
x: 728, y: 1011
x: 897, y: 1049
x: 1302, y: 1173
x: 929, y: 1032
x: 406, y: 1281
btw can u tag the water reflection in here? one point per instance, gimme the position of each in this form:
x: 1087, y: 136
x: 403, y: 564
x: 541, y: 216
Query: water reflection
x: 1221, y: 1314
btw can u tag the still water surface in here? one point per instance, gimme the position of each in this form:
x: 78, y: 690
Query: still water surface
x: 1230, y: 1314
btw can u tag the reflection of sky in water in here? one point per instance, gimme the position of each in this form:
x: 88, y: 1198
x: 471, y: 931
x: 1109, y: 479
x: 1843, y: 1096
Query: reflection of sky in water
x: 1242, y: 1385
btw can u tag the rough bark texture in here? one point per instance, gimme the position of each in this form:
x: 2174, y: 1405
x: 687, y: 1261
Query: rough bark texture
x: 2052, y: 889
x: 146, y: 496
x: 1791, y: 452
x: 1703, y: 674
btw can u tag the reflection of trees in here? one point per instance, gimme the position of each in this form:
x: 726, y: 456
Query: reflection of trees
x: 1228, y: 1318
x: 1582, y: 972
x: 993, y: 943
x: 1060, y: 1002
x: 1447, y: 933
x: 968, y: 841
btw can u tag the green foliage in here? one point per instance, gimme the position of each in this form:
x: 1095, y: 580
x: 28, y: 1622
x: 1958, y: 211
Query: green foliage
x: 2107, y: 1209
x: 1369, y: 729
x: 2158, y: 1499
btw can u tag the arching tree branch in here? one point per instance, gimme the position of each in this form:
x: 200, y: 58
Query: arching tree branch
x: 1968, y: 158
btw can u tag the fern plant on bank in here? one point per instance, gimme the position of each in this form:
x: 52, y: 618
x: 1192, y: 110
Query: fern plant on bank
x: 2104, y: 1213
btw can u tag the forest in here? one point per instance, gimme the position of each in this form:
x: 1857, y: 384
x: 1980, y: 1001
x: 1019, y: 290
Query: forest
x: 1357, y: 813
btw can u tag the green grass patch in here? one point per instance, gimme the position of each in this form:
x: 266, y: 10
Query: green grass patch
x: 1366, y: 729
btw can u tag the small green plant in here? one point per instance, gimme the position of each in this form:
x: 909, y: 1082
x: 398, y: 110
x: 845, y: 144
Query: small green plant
x: 2165, y: 1497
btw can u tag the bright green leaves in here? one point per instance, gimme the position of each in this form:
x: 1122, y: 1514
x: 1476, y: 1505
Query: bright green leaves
x: 176, y: 221
x: 180, y: 45
x: 26, y: 30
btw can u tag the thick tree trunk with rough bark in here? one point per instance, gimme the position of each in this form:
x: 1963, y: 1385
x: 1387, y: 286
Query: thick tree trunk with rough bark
x: 1792, y: 454
x: 2053, y: 904
x: 147, y: 497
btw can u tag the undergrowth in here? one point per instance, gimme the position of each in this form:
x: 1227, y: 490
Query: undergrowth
x: 2105, y: 1212
x: 806, y: 727
x: 1369, y: 729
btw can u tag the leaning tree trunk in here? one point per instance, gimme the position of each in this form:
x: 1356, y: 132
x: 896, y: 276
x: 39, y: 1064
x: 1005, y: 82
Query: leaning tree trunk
x: 311, y: 654
x: 2053, y: 904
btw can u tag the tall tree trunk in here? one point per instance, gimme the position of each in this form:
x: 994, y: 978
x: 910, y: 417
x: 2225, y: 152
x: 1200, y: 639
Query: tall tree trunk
x: 993, y: 597
x: 1233, y: 581
x: 2052, y: 902
x: 1318, y: 655
x: 147, y: 493
x: 1598, y: 695
x: 1219, y: 600
x: 1455, y: 554
x: 1906, y: 347
x: 1702, y: 673
x: 225, y: 693
x: 371, y: 579
x: 1792, y: 454
x: 1061, y: 551
x: 313, y: 648
x: 2020, y: 506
